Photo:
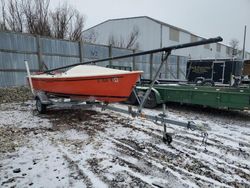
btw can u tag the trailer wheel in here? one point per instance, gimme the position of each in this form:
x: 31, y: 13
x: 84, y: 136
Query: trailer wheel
x: 132, y: 99
x: 41, y: 108
x: 198, y: 81
x: 151, y: 101
x: 167, y: 138
x: 208, y: 83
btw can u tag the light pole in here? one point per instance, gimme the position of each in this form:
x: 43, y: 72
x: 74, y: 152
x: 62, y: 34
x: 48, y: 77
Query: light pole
x: 244, y: 42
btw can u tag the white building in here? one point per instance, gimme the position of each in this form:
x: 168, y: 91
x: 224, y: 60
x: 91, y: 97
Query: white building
x: 156, y: 34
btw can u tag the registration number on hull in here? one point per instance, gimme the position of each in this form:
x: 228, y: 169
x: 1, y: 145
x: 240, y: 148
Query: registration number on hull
x: 102, y: 80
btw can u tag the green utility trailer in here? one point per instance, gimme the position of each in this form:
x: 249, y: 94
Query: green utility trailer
x: 215, y: 97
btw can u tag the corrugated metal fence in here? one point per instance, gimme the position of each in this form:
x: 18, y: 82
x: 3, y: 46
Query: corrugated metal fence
x: 15, y: 48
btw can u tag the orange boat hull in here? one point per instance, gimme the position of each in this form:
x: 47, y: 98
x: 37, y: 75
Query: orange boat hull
x: 108, y: 88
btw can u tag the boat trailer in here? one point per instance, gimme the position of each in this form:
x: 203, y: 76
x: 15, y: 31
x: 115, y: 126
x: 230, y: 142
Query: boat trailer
x: 161, y: 119
x: 43, y: 99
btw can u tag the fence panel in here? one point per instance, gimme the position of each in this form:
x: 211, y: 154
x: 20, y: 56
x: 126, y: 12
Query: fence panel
x: 8, y: 79
x: 59, y: 47
x: 15, y: 48
x: 92, y: 51
x: 15, y: 61
x: 183, y: 67
x: 17, y: 42
x: 142, y: 63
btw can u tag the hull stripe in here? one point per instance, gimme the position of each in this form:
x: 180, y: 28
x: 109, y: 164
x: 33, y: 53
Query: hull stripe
x: 72, y: 79
x: 79, y: 95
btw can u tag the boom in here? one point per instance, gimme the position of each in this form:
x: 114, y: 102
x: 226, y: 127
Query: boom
x: 165, y: 49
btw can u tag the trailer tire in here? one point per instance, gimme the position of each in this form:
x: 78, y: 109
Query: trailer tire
x: 208, y: 83
x: 41, y: 108
x: 151, y: 101
x: 132, y: 99
x: 167, y: 138
x: 198, y: 81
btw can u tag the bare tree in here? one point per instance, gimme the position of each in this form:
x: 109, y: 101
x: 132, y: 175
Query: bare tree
x: 67, y: 22
x: 3, y: 13
x: 15, y: 17
x: 2, y: 27
x: 113, y: 41
x: 90, y: 37
x: 37, y: 17
x: 60, y: 21
x: 129, y: 43
x: 12, y: 16
x: 76, y: 26
x: 234, y: 43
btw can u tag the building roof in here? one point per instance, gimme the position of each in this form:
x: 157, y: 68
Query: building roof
x: 147, y: 17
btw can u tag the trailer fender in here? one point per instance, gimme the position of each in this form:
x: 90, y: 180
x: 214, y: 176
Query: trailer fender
x: 157, y: 94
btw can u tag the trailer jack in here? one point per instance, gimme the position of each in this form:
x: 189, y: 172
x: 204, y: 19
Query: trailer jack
x: 167, y: 137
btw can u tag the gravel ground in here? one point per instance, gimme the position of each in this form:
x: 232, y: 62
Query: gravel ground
x: 15, y: 94
x: 73, y: 147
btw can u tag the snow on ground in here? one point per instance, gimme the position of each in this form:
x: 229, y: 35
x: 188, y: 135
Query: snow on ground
x: 73, y: 147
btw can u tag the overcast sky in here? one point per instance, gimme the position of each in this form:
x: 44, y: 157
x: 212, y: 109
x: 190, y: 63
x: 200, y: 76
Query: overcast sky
x: 206, y: 18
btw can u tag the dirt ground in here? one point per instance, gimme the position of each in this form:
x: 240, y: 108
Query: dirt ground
x: 74, y: 147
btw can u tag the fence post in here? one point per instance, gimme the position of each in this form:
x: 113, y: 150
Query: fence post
x: 133, y: 61
x: 151, y: 66
x: 178, y: 67
x: 110, y: 54
x: 39, y: 53
x: 81, y: 51
x: 167, y: 73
